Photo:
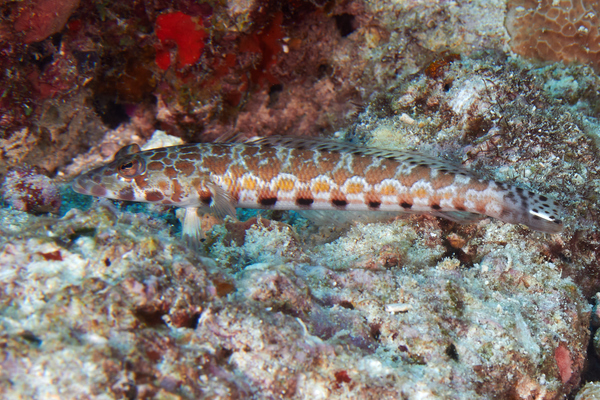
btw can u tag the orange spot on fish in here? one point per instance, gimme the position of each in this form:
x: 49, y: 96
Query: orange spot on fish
x: 321, y: 187
x: 354, y: 188
x: 285, y: 184
x: 420, y: 193
x: 388, y: 190
x: 249, y: 183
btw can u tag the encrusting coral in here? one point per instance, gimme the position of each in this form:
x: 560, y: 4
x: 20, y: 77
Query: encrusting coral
x: 547, y: 30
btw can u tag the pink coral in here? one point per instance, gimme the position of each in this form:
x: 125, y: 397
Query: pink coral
x: 562, y: 355
x: 27, y: 190
x: 555, y: 31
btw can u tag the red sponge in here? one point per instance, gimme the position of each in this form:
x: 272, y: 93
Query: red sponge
x: 185, y: 32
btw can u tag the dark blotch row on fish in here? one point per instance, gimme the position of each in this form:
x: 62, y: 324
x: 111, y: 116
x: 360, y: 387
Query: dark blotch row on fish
x: 339, y: 202
x: 267, y: 201
x: 374, y: 204
x: 304, y: 201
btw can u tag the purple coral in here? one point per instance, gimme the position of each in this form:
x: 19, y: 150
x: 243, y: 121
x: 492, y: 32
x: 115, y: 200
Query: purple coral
x: 27, y: 190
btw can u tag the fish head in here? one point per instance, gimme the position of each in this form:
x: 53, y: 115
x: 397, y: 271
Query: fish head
x: 140, y: 176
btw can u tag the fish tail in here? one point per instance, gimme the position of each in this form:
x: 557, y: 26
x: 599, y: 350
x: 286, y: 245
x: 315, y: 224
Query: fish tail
x: 536, y: 211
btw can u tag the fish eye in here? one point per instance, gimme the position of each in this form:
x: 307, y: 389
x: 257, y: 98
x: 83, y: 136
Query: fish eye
x: 131, y: 168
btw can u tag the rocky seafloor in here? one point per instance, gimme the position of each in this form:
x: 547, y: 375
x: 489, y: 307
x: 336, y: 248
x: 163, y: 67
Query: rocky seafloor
x: 103, y: 300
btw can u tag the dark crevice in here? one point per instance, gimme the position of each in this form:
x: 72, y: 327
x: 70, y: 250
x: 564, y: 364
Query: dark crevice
x: 345, y: 24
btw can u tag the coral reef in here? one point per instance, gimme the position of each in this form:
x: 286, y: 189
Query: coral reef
x: 104, y: 300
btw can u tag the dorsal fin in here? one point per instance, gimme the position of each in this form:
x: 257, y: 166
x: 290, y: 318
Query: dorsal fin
x: 406, y: 156
x: 230, y: 137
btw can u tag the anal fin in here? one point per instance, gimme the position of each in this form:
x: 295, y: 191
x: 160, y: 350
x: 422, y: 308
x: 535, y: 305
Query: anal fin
x: 222, y: 204
x: 461, y: 217
x: 343, y: 219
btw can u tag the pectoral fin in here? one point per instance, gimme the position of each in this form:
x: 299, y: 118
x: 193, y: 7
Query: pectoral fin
x: 222, y: 203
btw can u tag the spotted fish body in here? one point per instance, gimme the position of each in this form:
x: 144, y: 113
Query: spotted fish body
x: 300, y: 174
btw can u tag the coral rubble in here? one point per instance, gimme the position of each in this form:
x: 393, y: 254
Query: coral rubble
x: 397, y: 318
x: 590, y: 391
x: 27, y: 190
